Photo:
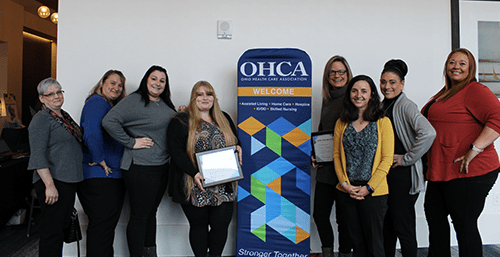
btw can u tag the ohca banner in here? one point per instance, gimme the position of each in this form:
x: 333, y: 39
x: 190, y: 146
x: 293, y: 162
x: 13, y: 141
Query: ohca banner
x: 274, y: 122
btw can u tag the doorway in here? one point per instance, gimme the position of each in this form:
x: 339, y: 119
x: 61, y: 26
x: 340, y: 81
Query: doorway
x: 37, y: 65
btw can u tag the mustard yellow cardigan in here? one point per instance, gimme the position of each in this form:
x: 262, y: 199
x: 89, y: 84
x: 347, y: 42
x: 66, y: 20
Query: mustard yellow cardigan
x: 381, y: 163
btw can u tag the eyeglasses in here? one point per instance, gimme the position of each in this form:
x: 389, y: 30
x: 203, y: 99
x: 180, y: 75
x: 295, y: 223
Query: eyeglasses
x: 339, y: 72
x: 50, y: 95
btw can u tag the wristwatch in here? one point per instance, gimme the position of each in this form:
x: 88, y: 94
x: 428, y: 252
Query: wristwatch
x: 370, y: 189
x: 475, y: 149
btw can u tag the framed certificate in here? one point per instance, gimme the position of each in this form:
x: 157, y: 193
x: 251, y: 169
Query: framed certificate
x: 219, y: 166
x: 322, y: 143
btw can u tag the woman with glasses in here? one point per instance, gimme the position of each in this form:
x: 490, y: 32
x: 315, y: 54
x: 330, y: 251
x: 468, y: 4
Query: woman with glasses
x: 102, y: 191
x: 363, y: 149
x: 413, y: 136
x: 336, y: 75
x: 139, y: 122
x: 56, y: 156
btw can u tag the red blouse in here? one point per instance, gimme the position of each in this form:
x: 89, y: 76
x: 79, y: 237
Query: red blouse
x: 458, y: 122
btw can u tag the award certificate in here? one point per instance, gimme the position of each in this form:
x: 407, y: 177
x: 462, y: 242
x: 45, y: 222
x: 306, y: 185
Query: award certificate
x: 219, y: 166
x: 322, y: 143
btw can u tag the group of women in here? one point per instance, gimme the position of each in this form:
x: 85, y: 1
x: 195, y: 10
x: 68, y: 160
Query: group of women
x: 125, y: 143
x: 384, y: 151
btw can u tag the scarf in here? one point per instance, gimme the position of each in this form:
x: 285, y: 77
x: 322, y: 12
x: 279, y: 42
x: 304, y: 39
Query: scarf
x: 67, y: 122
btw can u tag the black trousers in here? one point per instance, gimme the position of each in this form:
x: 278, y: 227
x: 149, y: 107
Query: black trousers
x: 400, y: 220
x: 365, y: 220
x: 146, y: 186
x: 200, y: 219
x: 324, y: 197
x: 54, y: 218
x: 102, y: 201
x: 463, y: 199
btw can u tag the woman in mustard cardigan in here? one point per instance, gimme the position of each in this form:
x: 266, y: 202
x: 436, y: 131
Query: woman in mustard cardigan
x: 363, y: 153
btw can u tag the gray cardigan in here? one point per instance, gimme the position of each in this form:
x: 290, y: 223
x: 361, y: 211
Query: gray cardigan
x: 53, y: 147
x: 130, y: 119
x: 416, y: 135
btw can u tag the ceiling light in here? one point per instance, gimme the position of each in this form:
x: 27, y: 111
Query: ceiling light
x: 43, y: 11
x: 54, y: 18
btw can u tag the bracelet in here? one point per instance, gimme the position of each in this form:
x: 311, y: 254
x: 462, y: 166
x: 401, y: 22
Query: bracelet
x: 342, y: 185
x: 475, y: 149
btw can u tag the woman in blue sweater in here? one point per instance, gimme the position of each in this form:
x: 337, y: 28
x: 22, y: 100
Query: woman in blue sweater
x: 102, y: 191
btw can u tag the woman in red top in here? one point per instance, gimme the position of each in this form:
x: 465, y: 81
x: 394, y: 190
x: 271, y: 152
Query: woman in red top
x: 463, y: 163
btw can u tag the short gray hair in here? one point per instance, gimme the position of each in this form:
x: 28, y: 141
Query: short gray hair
x: 44, y: 84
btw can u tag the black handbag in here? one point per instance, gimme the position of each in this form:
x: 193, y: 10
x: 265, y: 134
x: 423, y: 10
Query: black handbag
x: 73, y: 232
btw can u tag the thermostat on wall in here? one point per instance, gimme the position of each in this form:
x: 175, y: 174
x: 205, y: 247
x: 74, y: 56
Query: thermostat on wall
x: 224, y: 29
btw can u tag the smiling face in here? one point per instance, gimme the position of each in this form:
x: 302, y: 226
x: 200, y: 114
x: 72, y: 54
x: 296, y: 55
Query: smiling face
x: 335, y: 78
x: 360, y: 95
x: 53, y: 98
x: 391, y: 85
x: 112, y: 87
x: 156, y: 84
x: 204, y: 100
x: 457, y: 67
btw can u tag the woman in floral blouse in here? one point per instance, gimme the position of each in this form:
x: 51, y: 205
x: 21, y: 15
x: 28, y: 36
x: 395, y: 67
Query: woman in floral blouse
x: 203, y: 127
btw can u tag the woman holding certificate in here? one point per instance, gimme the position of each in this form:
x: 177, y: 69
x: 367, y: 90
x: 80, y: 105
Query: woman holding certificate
x: 202, y: 128
x: 336, y: 75
x: 363, y: 150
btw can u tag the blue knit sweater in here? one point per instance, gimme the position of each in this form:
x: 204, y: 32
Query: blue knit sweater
x: 99, y: 145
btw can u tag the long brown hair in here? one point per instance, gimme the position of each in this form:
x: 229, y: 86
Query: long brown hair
x: 450, y: 90
x: 195, y: 126
x: 97, y: 89
x: 326, y: 74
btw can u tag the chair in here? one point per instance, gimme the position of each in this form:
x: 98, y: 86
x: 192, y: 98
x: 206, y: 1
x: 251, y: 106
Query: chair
x: 32, y: 205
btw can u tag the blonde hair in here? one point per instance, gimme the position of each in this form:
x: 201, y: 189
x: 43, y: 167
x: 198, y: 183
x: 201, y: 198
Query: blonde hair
x: 97, y: 89
x: 195, y: 126
x: 326, y: 74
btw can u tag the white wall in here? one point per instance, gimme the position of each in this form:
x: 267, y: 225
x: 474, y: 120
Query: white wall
x: 131, y: 35
x: 470, y: 13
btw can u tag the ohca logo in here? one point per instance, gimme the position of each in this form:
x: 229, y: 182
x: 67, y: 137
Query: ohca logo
x: 283, y: 69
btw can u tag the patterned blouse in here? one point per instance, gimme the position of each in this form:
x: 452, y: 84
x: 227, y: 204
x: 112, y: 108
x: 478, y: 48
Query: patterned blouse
x: 209, y: 138
x: 360, y: 150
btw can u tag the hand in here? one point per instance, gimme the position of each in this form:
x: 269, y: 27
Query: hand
x: 106, y: 169
x: 361, y: 193
x: 143, y: 142
x: 51, y: 195
x: 182, y: 108
x: 240, y: 154
x: 197, y: 179
x: 466, y: 159
x: 314, y: 163
x: 397, y: 160
x: 351, y: 189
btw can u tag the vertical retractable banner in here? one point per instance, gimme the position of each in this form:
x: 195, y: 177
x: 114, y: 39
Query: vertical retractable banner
x: 274, y: 122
